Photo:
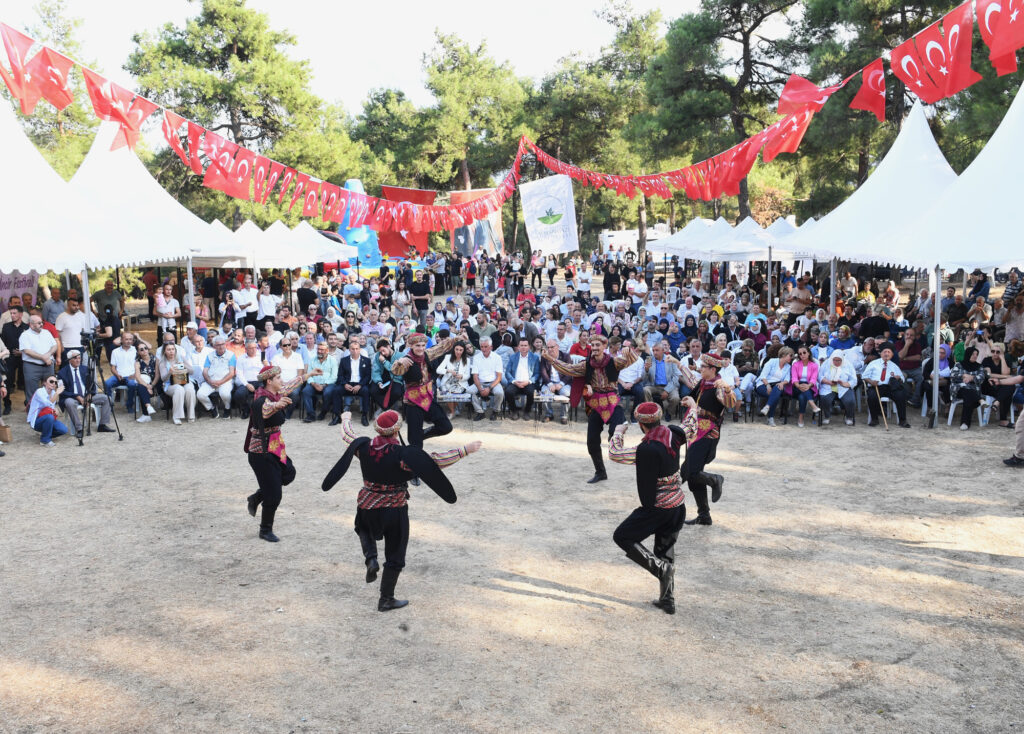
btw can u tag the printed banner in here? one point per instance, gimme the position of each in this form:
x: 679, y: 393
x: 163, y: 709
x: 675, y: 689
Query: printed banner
x: 18, y: 284
x: 549, y: 213
x: 481, y: 236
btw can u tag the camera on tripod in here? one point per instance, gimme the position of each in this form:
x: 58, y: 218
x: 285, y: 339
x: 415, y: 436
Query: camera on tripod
x: 88, y: 337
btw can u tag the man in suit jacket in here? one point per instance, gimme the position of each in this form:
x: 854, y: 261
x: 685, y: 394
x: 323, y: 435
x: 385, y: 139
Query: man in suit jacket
x: 79, y: 385
x: 661, y: 380
x: 523, y: 377
x: 354, y: 372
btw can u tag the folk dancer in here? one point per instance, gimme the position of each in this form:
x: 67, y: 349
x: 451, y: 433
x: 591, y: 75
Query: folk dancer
x: 661, y: 512
x: 265, y: 446
x: 415, y: 369
x: 599, y: 374
x: 383, y: 510
x: 705, y: 406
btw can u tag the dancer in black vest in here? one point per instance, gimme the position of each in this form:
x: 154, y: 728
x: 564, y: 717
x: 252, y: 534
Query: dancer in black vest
x: 417, y: 372
x: 661, y: 512
x: 383, y: 510
x: 599, y: 375
x: 702, y: 424
x: 265, y: 446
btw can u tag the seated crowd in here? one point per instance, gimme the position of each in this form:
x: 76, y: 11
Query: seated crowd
x: 798, y: 359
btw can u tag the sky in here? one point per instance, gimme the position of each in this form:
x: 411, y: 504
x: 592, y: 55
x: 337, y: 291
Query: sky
x: 355, y: 46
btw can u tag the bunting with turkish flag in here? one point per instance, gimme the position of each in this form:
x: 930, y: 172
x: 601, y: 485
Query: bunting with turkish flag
x: 948, y: 54
x: 871, y: 95
x: 18, y: 79
x: 799, y: 93
x: 990, y: 13
x: 114, y: 103
x: 169, y: 127
x: 239, y: 178
x: 397, y: 244
x: 786, y: 138
x: 128, y: 134
x: 50, y: 72
x: 220, y: 152
x: 311, y: 198
x: 1009, y: 32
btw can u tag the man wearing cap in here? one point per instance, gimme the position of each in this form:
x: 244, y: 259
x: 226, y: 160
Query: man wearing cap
x: 80, y: 390
x: 888, y: 378
x: 708, y: 400
x: 218, y: 377
x: 595, y: 380
x: 265, y: 445
x: 658, y: 483
x: 383, y: 505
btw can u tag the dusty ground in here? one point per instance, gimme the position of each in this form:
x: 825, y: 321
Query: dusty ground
x: 840, y: 589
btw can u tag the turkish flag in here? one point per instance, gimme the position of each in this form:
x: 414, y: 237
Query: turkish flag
x: 195, y: 132
x: 49, y: 71
x: 286, y: 181
x: 239, y: 178
x: 140, y: 109
x: 871, y: 95
x: 1009, y: 33
x: 221, y: 153
x: 910, y: 66
x: 260, y: 174
x: 19, y: 79
x: 340, y: 206
x: 397, y: 243
x: 329, y: 194
x: 301, y: 180
x: 360, y: 207
x: 786, y: 138
x: 169, y: 127
x: 276, y: 169
x: 110, y: 101
x: 800, y: 92
x: 311, y: 198
x: 947, y: 55
x: 990, y: 12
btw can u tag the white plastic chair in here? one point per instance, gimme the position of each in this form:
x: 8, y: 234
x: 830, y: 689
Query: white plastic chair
x: 988, y: 403
x: 952, y: 409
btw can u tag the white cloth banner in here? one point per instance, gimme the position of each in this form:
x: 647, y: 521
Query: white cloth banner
x: 17, y: 284
x: 550, y: 215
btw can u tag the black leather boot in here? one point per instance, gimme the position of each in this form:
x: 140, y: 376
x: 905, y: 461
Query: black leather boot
x: 387, y: 600
x: 714, y: 481
x: 372, y: 567
x: 599, y: 473
x: 253, y: 503
x: 663, y: 569
x: 267, y: 534
x: 700, y: 495
x: 369, y: 546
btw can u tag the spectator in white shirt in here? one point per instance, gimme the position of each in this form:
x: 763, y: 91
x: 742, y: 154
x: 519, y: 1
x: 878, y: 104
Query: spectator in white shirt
x: 291, y: 366
x: 247, y: 370
x: 266, y: 303
x: 218, y: 376
x: 487, y: 373
x: 123, y: 369
x: 167, y: 314
x: 247, y: 304
x: 38, y: 353
x: 196, y: 358
x: 71, y: 324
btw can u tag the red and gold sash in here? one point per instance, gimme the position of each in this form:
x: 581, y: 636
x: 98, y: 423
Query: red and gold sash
x: 604, y: 403
x: 421, y: 395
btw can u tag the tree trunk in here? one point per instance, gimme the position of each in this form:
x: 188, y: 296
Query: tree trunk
x: 464, y: 171
x: 671, y: 216
x: 862, y: 166
x: 641, y: 241
x: 744, y: 200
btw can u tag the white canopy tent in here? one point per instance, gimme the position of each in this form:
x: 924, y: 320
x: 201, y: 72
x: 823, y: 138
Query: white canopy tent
x: 971, y: 222
x: 314, y: 245
x: 912, y: 176
x: 47, y: 226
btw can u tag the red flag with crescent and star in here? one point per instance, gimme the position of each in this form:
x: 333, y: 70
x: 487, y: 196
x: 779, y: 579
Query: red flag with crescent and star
x: 19, y: 79
x: 50, y: 71
x: 397, y: 243
x: 1009, y: 33
x: 989, y: 14
x: 871, y: 95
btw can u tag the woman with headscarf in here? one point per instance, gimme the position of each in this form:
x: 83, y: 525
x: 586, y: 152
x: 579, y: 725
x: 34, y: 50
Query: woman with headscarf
x: 755, y: 333
x: 746, y: 364
x: 966, y: 380
x: 334, y: 318
x: 945, y: 366
x: 689, y: 329
x: 793, y: 339
x: 837, y: 379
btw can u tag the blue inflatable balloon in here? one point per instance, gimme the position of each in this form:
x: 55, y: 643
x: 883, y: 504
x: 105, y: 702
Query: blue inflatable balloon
x: 364, y: 238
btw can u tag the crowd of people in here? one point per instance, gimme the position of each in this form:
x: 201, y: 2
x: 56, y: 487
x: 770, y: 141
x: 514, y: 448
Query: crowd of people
x: 496, y: 317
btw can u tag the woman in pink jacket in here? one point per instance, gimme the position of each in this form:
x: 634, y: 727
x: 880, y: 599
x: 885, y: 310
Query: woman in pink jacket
x: 804, y: 382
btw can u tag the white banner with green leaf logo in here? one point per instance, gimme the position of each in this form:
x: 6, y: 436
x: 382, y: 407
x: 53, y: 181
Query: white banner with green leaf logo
x: 550, y: 215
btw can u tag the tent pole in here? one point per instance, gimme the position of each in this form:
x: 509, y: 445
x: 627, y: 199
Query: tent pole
x: 191, y: 291
x: 936, y: 340
x: 86, y: 306
x: 769, y: 306
x: 832, y: 286
x: 965, y: 284
x: 67, y: 282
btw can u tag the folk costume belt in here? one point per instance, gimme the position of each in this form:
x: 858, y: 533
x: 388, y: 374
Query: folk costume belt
x: 374, y: 496
x: 670, y: 493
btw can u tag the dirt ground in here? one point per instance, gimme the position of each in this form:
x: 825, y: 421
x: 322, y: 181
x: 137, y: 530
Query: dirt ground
x: 841, y: 588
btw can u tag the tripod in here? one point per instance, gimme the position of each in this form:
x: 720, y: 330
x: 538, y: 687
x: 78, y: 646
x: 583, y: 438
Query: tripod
x: 94, y: 363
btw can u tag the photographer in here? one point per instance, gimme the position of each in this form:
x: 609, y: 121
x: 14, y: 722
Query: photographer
x: 109, y: 331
